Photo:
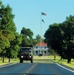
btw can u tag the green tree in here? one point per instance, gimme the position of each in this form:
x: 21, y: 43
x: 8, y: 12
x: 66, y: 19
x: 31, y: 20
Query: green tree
x: 67, y: 28
x: 7, y: 27
x: 53, y: 38
x: 60, y: 37
x: 38, y: 38
x: 27, y: 38
x: 13, y: 50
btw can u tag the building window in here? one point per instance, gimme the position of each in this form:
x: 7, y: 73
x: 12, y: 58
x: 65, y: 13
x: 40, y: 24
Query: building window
x: 36, y: 52
x: 45, y: 47
x: 36, y: 47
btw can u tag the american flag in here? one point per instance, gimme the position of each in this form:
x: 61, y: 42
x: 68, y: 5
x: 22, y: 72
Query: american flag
x: 43, y: 13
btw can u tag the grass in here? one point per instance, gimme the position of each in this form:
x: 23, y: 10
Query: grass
x: 41, y: 57
x: 6, y: 61
x: 38, y: 58
x: 64, y: 61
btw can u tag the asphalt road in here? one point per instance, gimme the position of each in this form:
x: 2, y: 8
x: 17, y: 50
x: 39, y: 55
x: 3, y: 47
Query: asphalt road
x: 36, y: 68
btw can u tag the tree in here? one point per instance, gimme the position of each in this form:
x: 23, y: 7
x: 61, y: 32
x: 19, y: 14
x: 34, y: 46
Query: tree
x: 38, y: 37
x: 26, y: 37
x: 60, y: 37
x: 53, y: 37
x: 7, y: 27
x: 67, y: 28
x: 13, y: 50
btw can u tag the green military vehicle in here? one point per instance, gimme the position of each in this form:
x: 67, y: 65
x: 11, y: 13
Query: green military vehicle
x: 26, y: 53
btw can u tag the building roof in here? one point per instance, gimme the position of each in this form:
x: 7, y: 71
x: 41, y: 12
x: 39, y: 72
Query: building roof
x: 41, y: 44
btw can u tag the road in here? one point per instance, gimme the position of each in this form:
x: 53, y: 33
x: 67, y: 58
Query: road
x: 36, y: 68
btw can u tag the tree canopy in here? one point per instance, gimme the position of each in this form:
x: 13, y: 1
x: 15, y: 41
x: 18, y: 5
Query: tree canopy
x: 60, y: 37
x: 27, y: 37
x: 9, y: 39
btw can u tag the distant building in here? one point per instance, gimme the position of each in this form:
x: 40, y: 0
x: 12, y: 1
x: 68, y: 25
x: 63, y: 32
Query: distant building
x: 41, y: 48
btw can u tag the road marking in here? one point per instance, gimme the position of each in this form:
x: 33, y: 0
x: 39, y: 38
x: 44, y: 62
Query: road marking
x: 65, y: 68
x: 7, y: 65
x: 31, y: 68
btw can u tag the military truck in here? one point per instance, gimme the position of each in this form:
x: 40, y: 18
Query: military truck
x: 26, y: 53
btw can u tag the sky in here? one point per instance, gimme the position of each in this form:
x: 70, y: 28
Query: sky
x: 28, y: 13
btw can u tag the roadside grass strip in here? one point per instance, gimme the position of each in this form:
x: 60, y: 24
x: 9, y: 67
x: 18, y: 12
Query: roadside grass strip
x: 42, y: 59
x: 13, y: 61
x: 63, y: 61
x: 67, y: 64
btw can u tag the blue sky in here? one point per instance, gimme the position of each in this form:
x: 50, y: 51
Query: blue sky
x: 28, y: 13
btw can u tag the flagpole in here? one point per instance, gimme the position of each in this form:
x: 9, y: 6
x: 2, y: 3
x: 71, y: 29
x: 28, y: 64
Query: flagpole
x: 42, y: 13
x: 41, y: 33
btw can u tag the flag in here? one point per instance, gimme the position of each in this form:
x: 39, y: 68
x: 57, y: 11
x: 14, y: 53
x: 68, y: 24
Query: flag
x: 43, y: 13
x: 43, y: 21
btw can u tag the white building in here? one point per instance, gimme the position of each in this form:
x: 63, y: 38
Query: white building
x: 41, y: 48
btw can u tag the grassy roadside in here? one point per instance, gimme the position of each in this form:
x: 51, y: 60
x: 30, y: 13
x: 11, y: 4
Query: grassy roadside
x: 6, y: 61
x: 37, y: 58
x: 64, y: 62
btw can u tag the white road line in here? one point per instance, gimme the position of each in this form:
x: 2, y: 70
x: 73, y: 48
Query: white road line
x: 7, y: 65
x: 31, y: 68
x: 65, y: 68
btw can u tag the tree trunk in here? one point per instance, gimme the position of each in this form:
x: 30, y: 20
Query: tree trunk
x: 9, y: 59
x: 3, y: 59
x: 61, y: 58
x: 54, y: 55
x: 69, y: 60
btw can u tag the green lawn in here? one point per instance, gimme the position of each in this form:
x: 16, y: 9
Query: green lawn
x: 64, y: 62
x: 6, y: 61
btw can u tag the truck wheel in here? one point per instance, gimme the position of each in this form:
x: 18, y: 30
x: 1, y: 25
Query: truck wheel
x: 21, y: 61
x: 31, y: 60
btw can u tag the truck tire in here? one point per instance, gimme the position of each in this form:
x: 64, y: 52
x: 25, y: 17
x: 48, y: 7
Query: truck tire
x: 31, y: 60
x: 21, y: 61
